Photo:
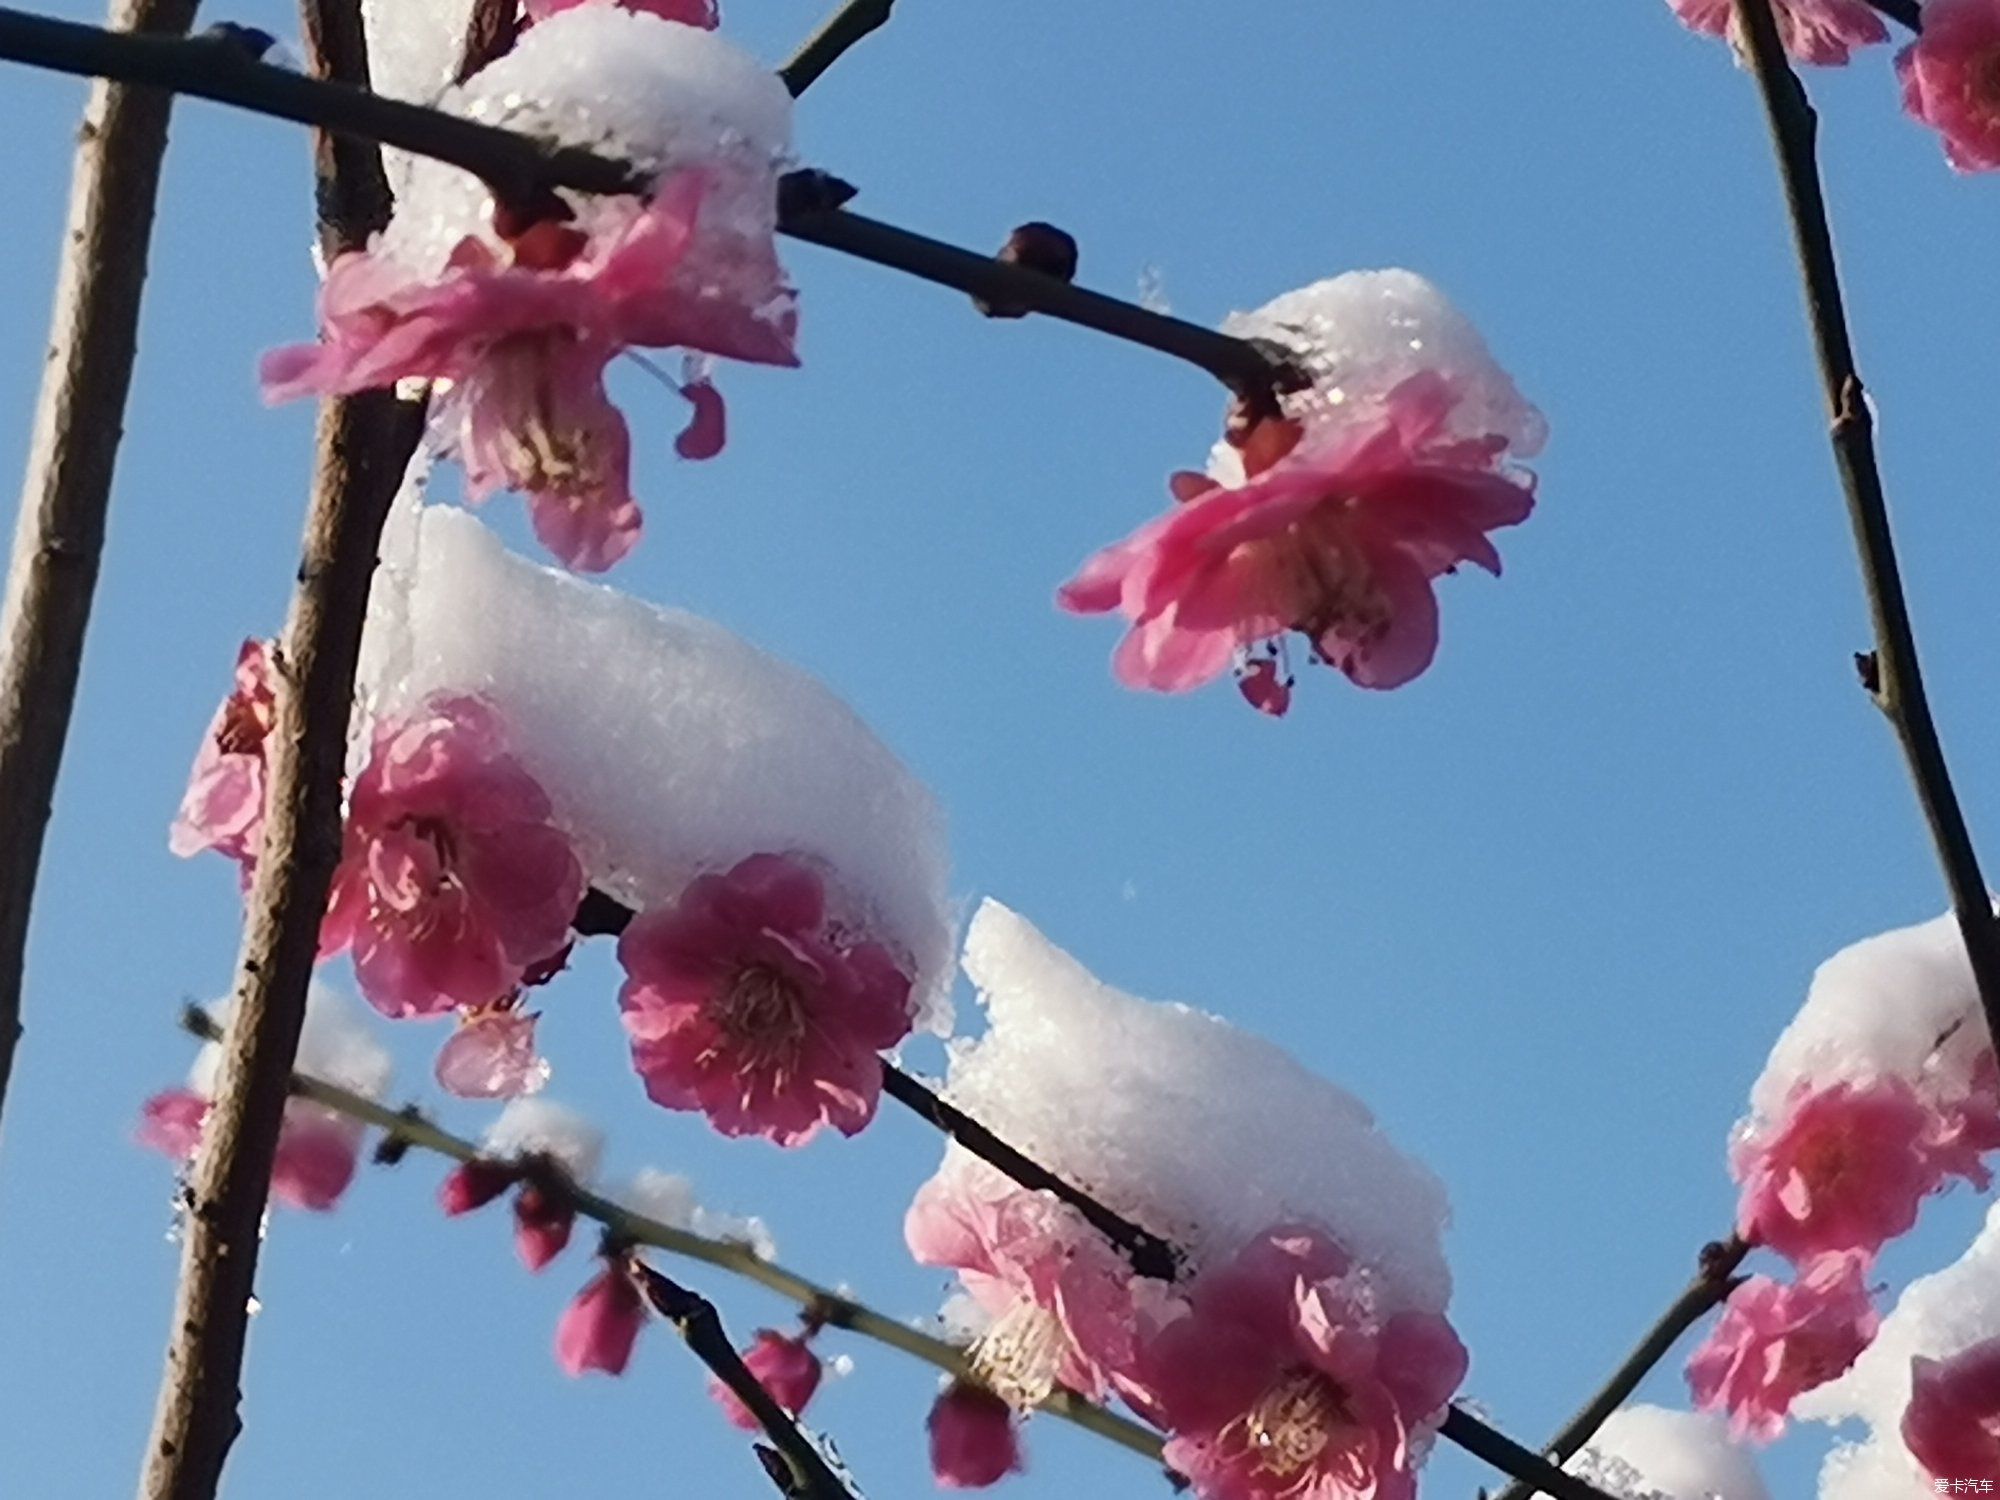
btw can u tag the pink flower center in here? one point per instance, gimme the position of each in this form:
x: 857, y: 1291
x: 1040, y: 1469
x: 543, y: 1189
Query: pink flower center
x: 1020, y: 1357
x: 543, y: 453
x: 1325, y: 579
x: 1984, y: 83
x: 763, y: 1015
x: 1292, y: 1424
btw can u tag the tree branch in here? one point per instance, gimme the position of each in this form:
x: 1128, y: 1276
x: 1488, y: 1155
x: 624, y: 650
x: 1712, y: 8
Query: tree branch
x: 66, y: 492
x: 1891, y: 673
x: 820, y: 51
x: 807, y: 1476
x: 1713, y: 1284
x: 411, y: 1127
x: 364, y: 444
x: 522, y: 170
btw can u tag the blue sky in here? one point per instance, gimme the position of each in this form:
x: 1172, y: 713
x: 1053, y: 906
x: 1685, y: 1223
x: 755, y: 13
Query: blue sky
x: 1545, y: 909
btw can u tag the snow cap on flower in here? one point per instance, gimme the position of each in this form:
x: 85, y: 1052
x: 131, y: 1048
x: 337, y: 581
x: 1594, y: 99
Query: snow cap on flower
x: 784, y: 1365
x: 1773, y: 1342
x: 1359, y: 336
x: 1951, y: 80
x: 702, y: 750
x: 1881, y: 1089
x: 1651, y: 1453
x: 599, y: 1328
x: 671, y: 98
x: 223, y: 809
x: 743, y: 1004
x: 1340, y: 539
x: 1154, y: 1110
x: 1825, y: 32
x: 1286, y: 1376
x: 1938, y: 1319
x: 453, y: 879
x: 974, y: 1438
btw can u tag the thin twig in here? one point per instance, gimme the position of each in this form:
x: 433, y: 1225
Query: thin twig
x: 808, y: 1476
x: 820, y: 51
x: 521, y: 169
x: 831, y: 1308
x: 1509, y: 1457
x: 59, y: 528
x: 1891, y: 673
x: 1712, y: 1285
x: 601, y: 915
x: 364, y: 443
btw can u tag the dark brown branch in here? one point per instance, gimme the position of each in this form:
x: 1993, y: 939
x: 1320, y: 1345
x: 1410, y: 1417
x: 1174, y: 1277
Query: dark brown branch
x: 364, y: 443
x: 846, y: 26
x: 522, y: 170
x: 800, y: 1470
x: 1896, y: 681
x: 66, y: 492
x: 1712, y: 1285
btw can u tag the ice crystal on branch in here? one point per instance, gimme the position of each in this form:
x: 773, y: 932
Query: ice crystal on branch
x: 700, y: 749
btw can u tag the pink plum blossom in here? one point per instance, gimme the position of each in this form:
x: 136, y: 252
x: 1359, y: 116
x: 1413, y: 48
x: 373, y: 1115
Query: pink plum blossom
x: 785, y: 1366
x: 599, y: 1328
x: 701, y: 13
x: 1952, y: 1424
x: 1774, y: 1342
x: 492, y: 1055
x: 455, y: 879
x: 1064, y: 1303
x: 543, y: 1221
x: 316, y: 1155
x: 974, y: 1439
x: 224, y: 806
x: 742, y: 1004
x: 1951, y: 80
x: 474, y: 1184
x: 523, y: 337
x: 1338, y: 538
x: 1284, y: 1379
x: 1844, y: 1170
x: 1814, y: 31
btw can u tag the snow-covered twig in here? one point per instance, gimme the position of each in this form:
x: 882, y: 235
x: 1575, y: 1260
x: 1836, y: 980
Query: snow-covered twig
x: 800, y: 1470
x: 411, y: 1128
x: 600, y: 915
x: 825, y: 47
x: 59, y: 530
x: 523, y: 170
x: 1890, y: 672
x: 1712, y: 1285
x: 364, y: 443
